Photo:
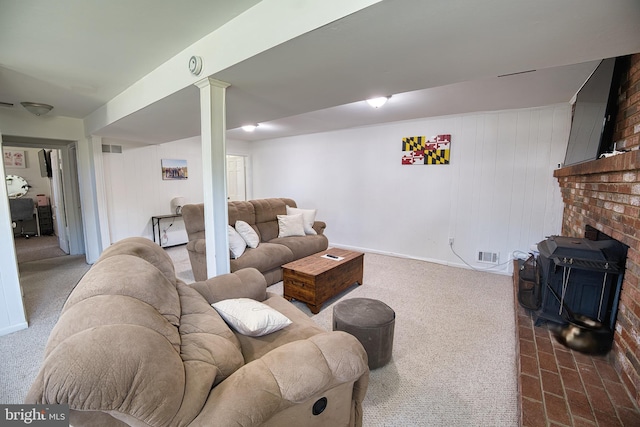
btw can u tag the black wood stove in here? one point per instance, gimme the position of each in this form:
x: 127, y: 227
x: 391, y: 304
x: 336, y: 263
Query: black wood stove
x: 585, y: 276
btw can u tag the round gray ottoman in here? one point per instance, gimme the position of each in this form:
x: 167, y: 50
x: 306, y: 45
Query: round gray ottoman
x: 371, y: 322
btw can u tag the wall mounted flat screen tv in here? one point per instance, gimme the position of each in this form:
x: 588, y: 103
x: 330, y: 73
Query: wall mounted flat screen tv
x: 594, y: 111
x: 44, y: 159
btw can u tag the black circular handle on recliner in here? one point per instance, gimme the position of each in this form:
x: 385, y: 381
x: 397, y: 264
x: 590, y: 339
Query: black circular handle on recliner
x: 319, y: 406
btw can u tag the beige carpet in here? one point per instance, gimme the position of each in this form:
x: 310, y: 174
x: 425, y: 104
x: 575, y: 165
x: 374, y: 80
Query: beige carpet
x: 453, y: 364
x: 36, y: 248
x: 46, y: 284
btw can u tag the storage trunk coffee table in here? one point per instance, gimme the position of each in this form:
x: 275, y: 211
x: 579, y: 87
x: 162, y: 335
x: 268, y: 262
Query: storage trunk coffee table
x: 318, y: 277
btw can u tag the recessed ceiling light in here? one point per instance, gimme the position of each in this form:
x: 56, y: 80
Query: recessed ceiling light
x: 249, y: 128
x: 378, y: 102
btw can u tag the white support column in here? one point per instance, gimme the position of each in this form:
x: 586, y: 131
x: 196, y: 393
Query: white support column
x: 89, y: 195
x: 214, y: 165
x: 101, y: 193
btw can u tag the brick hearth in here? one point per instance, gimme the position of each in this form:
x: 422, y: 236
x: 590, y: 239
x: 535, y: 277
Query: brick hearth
x: 562, y: 387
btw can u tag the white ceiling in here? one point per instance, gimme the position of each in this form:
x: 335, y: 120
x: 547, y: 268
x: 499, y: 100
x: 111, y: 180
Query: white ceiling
x: 434, y: 57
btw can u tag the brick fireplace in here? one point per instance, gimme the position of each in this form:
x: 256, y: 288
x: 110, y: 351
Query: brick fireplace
x: 605, y: 194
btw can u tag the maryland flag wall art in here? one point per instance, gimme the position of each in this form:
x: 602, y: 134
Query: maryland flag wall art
x: 418, y: 150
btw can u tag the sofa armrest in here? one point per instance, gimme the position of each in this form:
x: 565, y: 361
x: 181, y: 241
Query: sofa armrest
x: 245, y: 283
x: 319, y: 226
x: 287, y: 376
x: 198, y: 246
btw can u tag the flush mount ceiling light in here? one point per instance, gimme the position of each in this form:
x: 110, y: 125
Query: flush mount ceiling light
x: 249, y: 128
x: 37, y: 108
x: 378, y: 102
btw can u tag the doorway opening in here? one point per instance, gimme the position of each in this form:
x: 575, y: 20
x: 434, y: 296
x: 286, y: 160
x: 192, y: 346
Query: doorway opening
x: 236, y: 178
x: 49, y: 171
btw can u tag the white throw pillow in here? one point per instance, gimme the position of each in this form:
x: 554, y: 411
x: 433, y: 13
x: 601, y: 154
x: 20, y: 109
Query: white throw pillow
x: 308, y: 218
x: 250, y: 317
x: 290, y: 225
x: 237, y: 245
x: 248, y: 234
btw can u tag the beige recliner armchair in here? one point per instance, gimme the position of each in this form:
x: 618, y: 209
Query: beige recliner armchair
x: 136, y: 346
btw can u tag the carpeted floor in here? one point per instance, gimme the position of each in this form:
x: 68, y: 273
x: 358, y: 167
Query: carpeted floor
x: 454, y: 357
x: 46, y: 285
x: 36, y: 248
x: 453, y: 364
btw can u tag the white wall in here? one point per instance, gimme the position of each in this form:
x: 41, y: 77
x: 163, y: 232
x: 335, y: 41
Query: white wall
x: 498, y: 194
x: 39, y: 184
x: 136, y: 191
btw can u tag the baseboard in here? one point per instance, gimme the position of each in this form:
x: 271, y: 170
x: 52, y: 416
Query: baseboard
x: 504, y: 272
x: 13, y: 328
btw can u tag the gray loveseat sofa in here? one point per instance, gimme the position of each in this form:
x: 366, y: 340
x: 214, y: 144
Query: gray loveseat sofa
x: 271, y: 253
x: 136, y: 346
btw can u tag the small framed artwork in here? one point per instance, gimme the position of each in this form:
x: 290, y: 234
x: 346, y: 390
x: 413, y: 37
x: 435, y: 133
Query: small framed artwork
x: 14, y: 159
x: 174, y: 169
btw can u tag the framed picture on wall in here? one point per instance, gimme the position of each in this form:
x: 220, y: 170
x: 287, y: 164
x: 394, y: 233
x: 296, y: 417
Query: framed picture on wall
x: 14, y: 159
x: 420, y: 150
x: 174, y: 169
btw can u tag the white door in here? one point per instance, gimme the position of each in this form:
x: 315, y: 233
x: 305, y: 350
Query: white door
x: 57, y: 201
x: 236, y: 182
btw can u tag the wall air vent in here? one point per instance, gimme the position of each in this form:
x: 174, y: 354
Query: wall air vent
x: 488, y: 257
x: 111, y: 148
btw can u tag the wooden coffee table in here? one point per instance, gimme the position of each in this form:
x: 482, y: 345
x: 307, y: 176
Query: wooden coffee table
x: 315, y: 279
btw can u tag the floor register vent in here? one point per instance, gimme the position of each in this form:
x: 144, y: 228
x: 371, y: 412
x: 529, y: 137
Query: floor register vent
x: 488, y: 257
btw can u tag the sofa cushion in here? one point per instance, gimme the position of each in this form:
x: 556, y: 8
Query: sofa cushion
x: 308, y: 216
x: 290, y: 225
x: 199, y: 246
x: 193, y: 217
x: 241, y: 211
x: 108, y: 368
x: 101, y: 310
x: 250, y: 317
x: 248, y: 234
x: 208, y: 345
x: 302, y: 246
x: 265, y: 257
x: 130, y: 276
x: 302, y: 327
x: 266, y: 214
x: 245, y: 283
x: 145, y: 249
x: 237, y: 244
